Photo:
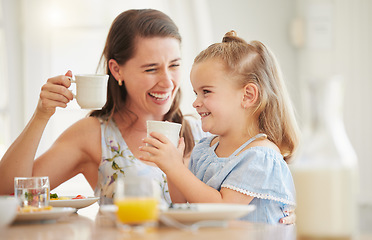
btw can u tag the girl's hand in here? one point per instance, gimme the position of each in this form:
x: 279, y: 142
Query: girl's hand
x: 162, y: 152
x: 290, y: 219
x: 54, y: 93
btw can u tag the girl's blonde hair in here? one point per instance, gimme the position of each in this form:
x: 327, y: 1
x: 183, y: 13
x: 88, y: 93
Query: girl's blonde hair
x: 254, y: 63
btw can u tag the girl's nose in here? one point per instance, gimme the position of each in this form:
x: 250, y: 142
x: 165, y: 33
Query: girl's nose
x: 196, y: 103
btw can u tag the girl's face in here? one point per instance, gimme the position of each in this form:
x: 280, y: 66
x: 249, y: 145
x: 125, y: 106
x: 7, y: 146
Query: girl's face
x: 218, y: 99
x: 152, y: 76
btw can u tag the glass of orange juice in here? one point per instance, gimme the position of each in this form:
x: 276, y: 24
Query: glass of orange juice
x: 137, y: 201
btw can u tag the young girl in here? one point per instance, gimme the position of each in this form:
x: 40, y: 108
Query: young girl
x: 242, y: 100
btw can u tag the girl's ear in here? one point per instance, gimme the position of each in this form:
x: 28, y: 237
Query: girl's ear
x: 250, y: 95
x: 115, y: 70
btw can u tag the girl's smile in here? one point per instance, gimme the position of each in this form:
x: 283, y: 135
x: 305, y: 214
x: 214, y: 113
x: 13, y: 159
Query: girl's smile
x: 218, y: 100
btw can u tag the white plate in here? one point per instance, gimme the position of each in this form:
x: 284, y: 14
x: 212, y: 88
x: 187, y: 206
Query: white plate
x: 54, y: 213
x: 74, y: 203
x: 207, y: 211
x: 195, y: 212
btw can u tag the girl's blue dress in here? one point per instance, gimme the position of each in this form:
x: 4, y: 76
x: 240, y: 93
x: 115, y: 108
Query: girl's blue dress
x: 260, y: 172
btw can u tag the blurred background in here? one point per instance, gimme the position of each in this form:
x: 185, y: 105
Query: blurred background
x: 317, y: 43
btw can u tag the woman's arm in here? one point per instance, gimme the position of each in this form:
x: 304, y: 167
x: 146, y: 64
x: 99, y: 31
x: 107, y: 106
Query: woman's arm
x: 77, y: 150
x: 19, y: 158
x: 72, y: 152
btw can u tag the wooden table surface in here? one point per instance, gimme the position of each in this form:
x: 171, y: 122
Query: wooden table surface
x: 88, y: 223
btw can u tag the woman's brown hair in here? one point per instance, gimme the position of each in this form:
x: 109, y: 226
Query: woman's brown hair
x: 121, y: 45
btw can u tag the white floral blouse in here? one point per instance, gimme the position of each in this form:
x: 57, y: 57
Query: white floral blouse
x: 118, y: 161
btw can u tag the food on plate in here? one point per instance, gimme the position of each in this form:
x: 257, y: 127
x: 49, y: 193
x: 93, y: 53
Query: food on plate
x: 79, y: 197
x: 29, y: 209
x: 54, y: 196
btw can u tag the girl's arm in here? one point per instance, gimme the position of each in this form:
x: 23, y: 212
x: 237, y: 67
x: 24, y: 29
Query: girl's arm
x: 175, y: 194
x: 169, y: 159
x: 196, y: 191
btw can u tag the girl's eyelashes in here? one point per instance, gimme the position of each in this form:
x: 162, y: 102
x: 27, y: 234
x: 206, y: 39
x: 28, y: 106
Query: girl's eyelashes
x: 204, y: 91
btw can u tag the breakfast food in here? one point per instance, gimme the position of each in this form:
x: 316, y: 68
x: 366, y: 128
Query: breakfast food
x: 54, y: 196
x: 29, y: 209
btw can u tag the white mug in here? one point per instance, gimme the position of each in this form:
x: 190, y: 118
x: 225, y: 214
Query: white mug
x: 91, y: 90
x: 169, y: 129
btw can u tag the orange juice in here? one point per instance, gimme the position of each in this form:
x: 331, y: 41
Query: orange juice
x: 137, y: 210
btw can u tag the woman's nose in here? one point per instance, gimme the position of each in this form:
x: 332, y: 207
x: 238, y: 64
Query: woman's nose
x: 166, y: 79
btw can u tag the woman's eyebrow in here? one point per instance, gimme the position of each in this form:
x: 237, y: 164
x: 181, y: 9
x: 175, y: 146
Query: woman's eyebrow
x: 177, y: 59
x: 156, y: 64
x: 149, y: 65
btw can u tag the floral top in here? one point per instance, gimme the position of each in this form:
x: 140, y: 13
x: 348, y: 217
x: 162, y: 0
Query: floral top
x: 260, y: 172
x: 118, y: 161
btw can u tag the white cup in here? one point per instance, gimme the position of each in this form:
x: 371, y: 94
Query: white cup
x: 169, y: 129
x: 91, y: 90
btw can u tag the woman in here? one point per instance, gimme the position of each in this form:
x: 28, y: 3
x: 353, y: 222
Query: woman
x: 142, y: 58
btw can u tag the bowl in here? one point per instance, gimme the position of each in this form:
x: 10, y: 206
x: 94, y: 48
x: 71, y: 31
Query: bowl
x: 8, y: 210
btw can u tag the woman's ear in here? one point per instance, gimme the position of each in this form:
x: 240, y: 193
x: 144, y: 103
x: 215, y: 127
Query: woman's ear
x: 115, y: 71
x: 250, y: 95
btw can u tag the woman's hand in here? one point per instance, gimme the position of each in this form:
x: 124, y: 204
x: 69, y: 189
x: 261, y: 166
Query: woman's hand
x: 54, y: 93
x: 162, y: 151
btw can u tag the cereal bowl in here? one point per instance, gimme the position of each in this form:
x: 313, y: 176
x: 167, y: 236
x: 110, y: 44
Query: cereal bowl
x: 8, y: 210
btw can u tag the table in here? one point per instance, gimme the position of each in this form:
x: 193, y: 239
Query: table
x: 89, y: 224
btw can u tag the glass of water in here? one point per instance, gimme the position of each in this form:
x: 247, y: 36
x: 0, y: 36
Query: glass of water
x: 32, y: 191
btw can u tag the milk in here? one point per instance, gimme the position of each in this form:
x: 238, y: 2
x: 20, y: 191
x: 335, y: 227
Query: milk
x: 326, y: 199
x: 325, y: 167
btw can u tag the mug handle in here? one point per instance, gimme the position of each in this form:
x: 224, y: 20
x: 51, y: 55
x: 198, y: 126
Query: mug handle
x: 72, y: 81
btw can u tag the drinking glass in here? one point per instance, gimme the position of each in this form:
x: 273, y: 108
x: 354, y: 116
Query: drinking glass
x: 137, y: 200
x: 32, y: 191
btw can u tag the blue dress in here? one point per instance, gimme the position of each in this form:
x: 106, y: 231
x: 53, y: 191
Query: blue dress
x: 260, y: 172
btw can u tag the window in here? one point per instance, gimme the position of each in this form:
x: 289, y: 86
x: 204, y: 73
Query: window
x: 4, y: 96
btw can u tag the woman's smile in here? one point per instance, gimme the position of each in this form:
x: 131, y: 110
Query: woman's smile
x: 160, y: 97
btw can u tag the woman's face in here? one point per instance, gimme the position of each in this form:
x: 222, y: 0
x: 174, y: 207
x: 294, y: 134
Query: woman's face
x: 152, y: 77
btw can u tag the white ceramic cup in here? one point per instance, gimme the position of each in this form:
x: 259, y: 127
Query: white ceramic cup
x: 91, y: 90
x: 169, y: 129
